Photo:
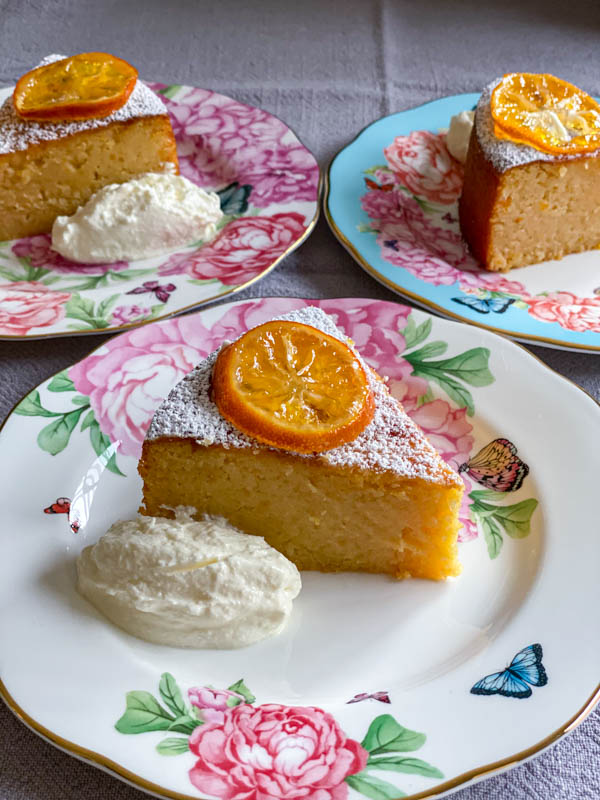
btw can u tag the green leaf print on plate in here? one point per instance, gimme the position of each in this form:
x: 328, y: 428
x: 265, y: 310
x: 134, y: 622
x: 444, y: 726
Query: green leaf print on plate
x: 514, y: 520
x: 373, y: 787
x: 470, y: 367
x: 385, y: 735
x: 143, y: 713
x: 224, y: 729
x: 55, y: 437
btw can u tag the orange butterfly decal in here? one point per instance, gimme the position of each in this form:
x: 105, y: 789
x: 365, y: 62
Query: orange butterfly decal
x: 387, y: 187
x: 497, y: 466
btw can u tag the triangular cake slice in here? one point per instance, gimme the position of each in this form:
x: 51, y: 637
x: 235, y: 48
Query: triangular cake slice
x: 385, y: 502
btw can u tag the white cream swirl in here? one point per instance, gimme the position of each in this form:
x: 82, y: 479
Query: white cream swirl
x: 146, y: 216
x: 188, y: 584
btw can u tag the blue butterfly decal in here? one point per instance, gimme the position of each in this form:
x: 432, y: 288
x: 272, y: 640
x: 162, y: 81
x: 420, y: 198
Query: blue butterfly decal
x: 497, y: 305
x: 525, y: 668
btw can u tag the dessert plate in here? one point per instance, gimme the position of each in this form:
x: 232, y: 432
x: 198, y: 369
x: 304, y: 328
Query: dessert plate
x: 376, y: 688
x: 397, y: 215
x: 269, y: 185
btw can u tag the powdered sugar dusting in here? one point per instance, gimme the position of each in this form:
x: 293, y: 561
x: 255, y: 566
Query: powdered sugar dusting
x: 390, y: 443
x: 19, y: 134
x: 503, y: 153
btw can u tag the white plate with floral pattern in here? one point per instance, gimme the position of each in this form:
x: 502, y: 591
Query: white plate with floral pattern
x: 377, y: 688
x: 392, y: 201
x: 269, y: 185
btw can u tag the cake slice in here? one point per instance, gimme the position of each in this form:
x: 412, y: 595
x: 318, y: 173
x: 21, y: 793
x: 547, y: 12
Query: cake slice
x: 384, y: 502
x: 521, y: 205
x: 48, y: 169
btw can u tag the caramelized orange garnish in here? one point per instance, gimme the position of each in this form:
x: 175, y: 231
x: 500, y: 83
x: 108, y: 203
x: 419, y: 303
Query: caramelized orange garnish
x: 292, y: 386
x: 86, y: 86
x: 546, y: 113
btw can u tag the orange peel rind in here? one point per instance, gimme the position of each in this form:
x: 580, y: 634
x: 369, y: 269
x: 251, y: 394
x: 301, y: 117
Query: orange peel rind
x: 85, y: 86
x: 546, y: 113
x: 293, y: 387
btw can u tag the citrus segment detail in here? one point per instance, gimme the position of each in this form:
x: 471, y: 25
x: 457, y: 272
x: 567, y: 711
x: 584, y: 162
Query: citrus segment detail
x: 294, y: 387
x: 546, y: 113
x: 85, y: 86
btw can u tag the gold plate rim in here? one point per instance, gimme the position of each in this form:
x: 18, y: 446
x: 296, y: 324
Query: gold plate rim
x: 416, y: 298
x: 477, y: 773
x: 200, y: 304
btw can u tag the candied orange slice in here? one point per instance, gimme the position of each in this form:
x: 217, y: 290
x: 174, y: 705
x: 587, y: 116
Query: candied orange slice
x: 546, y: 113
x: 292, y: 386
x: 86, y: 86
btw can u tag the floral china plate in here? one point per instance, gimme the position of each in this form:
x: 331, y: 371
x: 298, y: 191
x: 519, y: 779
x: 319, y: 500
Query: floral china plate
x: 377, y: 688
x: 269, y: 186
x: 392, y: 201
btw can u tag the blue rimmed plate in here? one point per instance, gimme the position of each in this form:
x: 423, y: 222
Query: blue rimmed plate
x: 392, y: 202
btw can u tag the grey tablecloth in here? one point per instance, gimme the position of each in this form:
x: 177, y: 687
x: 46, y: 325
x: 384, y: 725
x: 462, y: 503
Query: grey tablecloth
x: 328, y: 68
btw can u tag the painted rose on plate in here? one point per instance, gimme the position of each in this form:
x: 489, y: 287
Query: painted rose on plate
x: 272, y: 751
x: 129, y: 378
x: 268, y: 187
x: 423, y: 164
x: 25, y: 305
x: 245, y: 248
x: 571, y: 312
x: 269, y: 752
x: 411, y: 202
x: 239, y: 142
x: 38, y: 251
x: 213, y: 703
x: 124, y: 315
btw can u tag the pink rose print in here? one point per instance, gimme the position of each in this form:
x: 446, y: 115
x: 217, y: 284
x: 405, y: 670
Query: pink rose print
x: 27, y: 304
x: 409, y: 238
x: 248, y: 315
x: 407, y: 235
x: 375, y: 329
x: 418, y: 262
x: 213, y: 703
x: 128, y: 379
x: 38, y: 250
x: 447, y: 429
x: 236, y: 142
x: 469, y: 528
x: 572, y: 312
x: 382, y: 206
x: 270, y: 752
x: 470, y: 282
x: 423, y: 164
x: 244, y: 248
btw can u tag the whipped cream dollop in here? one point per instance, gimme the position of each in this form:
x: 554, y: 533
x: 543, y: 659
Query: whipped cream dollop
x: 146, y: 216
x: 459, y: 133
x: 188, y: 584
